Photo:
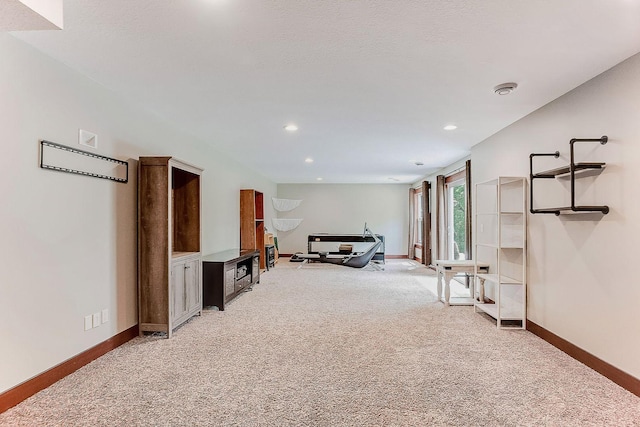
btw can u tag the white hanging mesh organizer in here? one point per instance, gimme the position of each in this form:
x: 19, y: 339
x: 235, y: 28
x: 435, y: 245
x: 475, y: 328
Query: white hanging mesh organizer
x: 284, y: 205
x: 285, y: 224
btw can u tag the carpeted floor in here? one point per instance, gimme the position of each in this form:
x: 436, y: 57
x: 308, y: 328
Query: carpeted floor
x: 333, y: 346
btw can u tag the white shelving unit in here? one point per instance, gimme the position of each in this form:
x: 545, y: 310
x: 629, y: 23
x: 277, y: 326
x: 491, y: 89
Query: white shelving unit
x: 501, y: 242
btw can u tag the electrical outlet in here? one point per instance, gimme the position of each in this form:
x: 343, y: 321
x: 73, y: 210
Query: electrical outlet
x: 96, y: 320
x: 105, y: 315
x: 88, y: 322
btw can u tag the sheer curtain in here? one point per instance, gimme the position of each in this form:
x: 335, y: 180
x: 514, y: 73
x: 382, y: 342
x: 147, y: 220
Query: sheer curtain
x: 426, y: 223
x: 468, y: 219
x: 441, y: 221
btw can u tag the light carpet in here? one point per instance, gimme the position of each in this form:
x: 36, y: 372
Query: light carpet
x: 327, y: 345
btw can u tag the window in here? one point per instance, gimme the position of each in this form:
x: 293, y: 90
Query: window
x: 456, y: 221
x: 456, y: 214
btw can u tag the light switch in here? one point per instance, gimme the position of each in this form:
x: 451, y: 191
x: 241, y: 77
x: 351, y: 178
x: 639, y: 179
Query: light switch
x: 96, y: 320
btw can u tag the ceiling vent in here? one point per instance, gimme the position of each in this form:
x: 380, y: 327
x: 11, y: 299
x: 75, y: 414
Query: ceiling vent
x: 505, y: 88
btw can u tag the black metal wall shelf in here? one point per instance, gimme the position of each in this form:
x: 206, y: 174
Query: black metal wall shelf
x: 554, y: 173
x: 571, y: 169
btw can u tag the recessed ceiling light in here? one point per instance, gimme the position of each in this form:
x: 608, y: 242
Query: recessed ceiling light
x: 393, y: 179
x: 291, y: 128
x: 308, y: 160
x: 318, y: 179
x: 505, y: 88
x: 450, y: 127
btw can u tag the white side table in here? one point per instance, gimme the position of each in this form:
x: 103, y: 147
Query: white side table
x: 448, y: 269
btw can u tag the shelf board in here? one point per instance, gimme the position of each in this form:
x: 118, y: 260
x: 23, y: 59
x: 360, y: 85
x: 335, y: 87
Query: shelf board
x: 503, y: 214
x: 500, y: 213
x: 570, y: 210
x: 502, y: 279
x: 564, y: 170
x: 503, y: 180
x: 488, y: 245
x: 176, y: 255
x: 492, y: 310
x: 496, y: 246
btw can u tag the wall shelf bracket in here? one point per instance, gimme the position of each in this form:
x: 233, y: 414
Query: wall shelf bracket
x: 568, y: 170
x: 61, y: 158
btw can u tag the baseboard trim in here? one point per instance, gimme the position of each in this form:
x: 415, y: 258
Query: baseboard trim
x: 616, y: 375
x: 13, y: 396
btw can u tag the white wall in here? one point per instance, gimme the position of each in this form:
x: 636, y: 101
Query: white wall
x: 582, y: 277
x: 68, y: 246
x: 343, y: 209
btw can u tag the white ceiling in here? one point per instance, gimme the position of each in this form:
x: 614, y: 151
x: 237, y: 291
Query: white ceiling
x: 21, y: 15
x: 370, y: 83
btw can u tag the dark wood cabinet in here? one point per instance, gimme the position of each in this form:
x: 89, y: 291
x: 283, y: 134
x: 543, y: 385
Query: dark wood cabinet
x: 225, y: 275
x: 252, y: 222
x: 169, y: 289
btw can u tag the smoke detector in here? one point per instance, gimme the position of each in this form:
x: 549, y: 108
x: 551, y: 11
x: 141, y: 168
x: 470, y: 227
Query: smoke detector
x: 505, y: 88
